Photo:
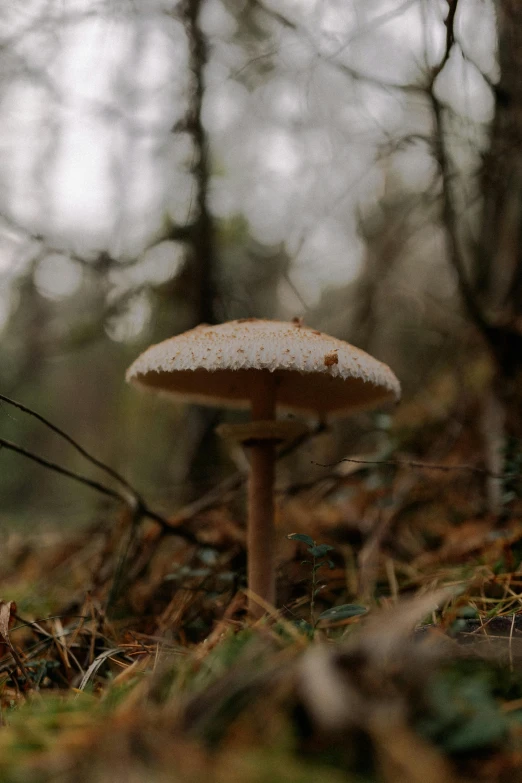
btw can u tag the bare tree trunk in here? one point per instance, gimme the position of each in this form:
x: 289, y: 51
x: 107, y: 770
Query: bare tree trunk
x: 499, y: 256
x: 491, y: 285
x: 199, y: 276
x: 195, y: 288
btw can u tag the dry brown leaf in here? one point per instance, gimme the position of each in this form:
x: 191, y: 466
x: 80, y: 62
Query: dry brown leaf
x: 7, y: 609
x: 7, y: 613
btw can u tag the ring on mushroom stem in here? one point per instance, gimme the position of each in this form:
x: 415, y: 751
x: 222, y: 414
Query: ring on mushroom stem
x: 265, y: 365
x: 268, y: 429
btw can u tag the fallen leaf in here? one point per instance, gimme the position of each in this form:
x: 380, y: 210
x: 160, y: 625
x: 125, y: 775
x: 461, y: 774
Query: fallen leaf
x: 7, y: 616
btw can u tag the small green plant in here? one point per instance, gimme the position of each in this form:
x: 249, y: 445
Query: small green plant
x: 317, y: 560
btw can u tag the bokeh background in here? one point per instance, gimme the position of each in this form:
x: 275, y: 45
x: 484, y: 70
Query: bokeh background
x: 352, y: 162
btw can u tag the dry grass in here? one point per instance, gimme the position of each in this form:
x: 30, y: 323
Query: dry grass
x: 130, y: 657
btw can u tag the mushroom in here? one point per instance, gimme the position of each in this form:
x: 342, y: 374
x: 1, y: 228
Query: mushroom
x: 264, y: 365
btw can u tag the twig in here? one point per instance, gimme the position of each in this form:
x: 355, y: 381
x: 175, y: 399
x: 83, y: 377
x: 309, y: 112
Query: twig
x: 449, y: 23
x: 132, y: 499
x: 449, y: 212
x: 7, y: 444
x: 99, y: 262
x: 413, y: 464
x: 450, y: 219
x: 343, y: 67
x: 135, y: 502
x: 94, y: 460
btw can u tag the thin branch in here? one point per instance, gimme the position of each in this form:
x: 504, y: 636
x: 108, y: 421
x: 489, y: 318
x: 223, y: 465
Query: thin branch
x: 414, y: 464
x: 99, y: 262
x: 374, y: 24
x: 135, y: 501
x: 94, y: 460
x: 449, y: 23
x: 450, y: 219
x: 92, y: 483
x: 449, y: 212
x: 284, y: 21
x: 138, y: 507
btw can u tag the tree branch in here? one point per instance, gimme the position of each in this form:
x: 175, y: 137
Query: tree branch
x: 201, y: 265
x: 131, y: 499
x: 99, y: 262
x: 450, y: 218
x: 92, y: 483
x: 284, y: 21
x: 84, y: 453
x: 393, y: 463
x: 449, y: 213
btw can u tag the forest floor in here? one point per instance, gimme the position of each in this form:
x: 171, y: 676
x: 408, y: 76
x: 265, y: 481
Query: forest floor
x: 127, y: 655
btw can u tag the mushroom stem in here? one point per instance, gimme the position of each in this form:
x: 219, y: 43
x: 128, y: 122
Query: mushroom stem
x: 260, y: 535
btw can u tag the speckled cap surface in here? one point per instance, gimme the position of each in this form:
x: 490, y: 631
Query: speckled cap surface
x: 220, y: 365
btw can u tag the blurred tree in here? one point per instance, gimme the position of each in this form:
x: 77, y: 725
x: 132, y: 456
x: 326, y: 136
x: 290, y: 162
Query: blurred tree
x: 489, y: 270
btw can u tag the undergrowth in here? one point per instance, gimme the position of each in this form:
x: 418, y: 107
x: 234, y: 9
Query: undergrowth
x: 395, y: 653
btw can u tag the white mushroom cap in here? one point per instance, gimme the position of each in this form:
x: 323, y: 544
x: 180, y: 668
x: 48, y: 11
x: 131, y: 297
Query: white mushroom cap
x: 220, y: 365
